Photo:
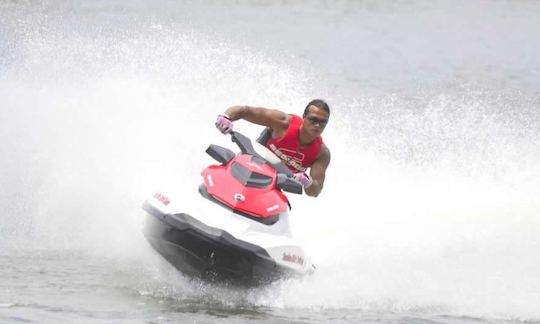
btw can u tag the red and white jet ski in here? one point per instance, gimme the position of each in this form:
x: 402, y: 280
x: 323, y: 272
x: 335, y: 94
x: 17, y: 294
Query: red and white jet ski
x: 243, y: 233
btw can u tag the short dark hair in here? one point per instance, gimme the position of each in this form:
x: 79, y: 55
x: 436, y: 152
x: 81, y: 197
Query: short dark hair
x: 319, y: 104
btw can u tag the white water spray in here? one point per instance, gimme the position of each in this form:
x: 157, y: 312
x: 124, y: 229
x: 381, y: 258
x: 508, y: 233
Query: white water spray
x: 430, y: 203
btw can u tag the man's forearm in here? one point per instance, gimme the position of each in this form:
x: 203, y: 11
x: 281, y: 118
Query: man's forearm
x: 236, y: 112
x: 315, y: 189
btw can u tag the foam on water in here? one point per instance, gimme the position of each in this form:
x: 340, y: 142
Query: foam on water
x: 430, y: 203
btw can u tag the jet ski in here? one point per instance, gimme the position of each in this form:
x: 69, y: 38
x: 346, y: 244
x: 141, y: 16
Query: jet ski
x: 242, y: 235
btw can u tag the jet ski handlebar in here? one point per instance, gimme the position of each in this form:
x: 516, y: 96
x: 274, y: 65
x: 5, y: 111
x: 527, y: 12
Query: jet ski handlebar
x: 246, y: 146
x: 243, y: 142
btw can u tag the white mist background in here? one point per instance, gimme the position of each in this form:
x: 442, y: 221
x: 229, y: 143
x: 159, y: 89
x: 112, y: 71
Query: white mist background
x: 430, y: 202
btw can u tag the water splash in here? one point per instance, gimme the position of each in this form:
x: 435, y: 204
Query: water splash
x: 430, y: 203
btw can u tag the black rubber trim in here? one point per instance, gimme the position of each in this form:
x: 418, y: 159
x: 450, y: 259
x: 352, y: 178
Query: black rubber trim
x: 258, y: 160
x: 209, y: 253
x: 249, y: 178
x: 184, y: 222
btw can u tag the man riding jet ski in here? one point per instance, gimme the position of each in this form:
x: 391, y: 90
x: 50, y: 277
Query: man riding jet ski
x: 242, y: 234
x: 295, y: 140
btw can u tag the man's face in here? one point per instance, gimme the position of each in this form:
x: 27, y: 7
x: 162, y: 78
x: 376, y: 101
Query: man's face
x: 315, y: 120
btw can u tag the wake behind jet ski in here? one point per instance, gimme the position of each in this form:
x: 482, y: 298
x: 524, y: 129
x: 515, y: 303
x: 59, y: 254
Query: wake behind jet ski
x: 242, y: 234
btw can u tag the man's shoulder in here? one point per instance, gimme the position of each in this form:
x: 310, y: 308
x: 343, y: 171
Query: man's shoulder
x: 281, y: 125
x: 324, y: 153
x: 324, y: 148
x: 274, y: 119
x: 282, y: 118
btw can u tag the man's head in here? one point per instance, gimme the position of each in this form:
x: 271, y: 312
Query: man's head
x: 316, y: 117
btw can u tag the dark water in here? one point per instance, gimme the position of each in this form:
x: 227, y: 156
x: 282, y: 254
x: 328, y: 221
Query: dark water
x: 68, y: 286
x: 430, y: 212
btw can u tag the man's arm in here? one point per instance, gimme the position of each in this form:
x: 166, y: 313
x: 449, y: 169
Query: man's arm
x: 277, y: 120
x: 318, y: 172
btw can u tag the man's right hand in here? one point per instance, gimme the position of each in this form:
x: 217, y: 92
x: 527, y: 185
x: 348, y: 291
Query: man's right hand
x: 224, y: 124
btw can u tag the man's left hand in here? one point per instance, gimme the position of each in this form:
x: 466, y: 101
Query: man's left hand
x: 303, y: 179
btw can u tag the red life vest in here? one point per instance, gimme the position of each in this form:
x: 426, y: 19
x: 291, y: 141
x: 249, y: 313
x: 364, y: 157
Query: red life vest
x: 296, y: 157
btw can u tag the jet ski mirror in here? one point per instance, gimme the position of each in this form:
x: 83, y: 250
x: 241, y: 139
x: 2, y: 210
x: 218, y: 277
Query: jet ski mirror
x: 221, y: 154
x: 288, y: 184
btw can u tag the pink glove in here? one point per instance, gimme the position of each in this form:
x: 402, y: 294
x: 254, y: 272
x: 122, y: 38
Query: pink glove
x: 303, y: 179
x: 224, y: 124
